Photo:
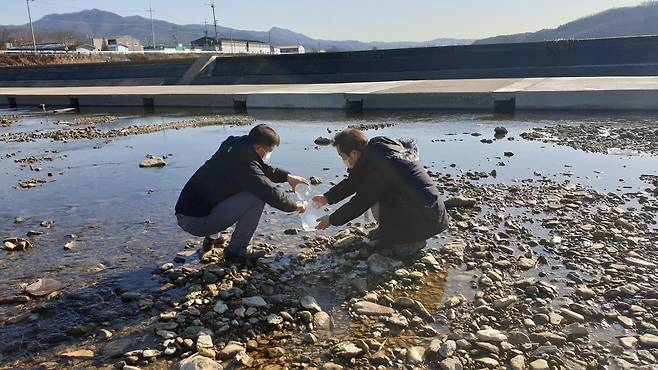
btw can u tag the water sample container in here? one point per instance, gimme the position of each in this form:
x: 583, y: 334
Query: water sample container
x: 312, y: 212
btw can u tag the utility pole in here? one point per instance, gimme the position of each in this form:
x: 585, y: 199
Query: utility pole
x: 29, y: 15
x: 212, y: 5
x: 152, y: 29
x: 205, y: 32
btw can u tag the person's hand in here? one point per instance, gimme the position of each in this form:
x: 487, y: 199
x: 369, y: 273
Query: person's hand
x: 300, y: 207
x: 320, y: 201
x: 296, y: 180
x: 323, y: 223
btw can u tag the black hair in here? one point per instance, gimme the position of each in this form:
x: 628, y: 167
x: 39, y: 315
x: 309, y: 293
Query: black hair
x: 350, y: 139
x: 264, y: 135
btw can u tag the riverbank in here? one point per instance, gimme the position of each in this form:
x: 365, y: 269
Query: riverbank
x: 548, y: 263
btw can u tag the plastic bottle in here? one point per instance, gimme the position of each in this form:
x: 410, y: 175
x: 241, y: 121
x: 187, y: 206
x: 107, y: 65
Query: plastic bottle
x: 312, y: 212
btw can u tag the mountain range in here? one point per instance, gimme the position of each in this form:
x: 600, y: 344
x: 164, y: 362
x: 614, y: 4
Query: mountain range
x: 97, y: 22
x: 617, y: 22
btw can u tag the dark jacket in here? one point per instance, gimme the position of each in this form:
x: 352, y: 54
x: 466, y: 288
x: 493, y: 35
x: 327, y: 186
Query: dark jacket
x: 410, y: 207
x: 233, y: 169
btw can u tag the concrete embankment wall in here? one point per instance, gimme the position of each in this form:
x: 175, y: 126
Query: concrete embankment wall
x: 631, y: 56
x: 97, y: 74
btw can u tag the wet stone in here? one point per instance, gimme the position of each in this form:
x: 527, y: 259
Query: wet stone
x: 310, y: 304
x: 371, y: 309
x: 152, y: 161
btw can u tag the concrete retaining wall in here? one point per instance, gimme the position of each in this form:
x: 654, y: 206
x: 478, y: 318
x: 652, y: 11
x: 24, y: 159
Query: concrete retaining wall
x: 632, y: 56
x: 104, y: 74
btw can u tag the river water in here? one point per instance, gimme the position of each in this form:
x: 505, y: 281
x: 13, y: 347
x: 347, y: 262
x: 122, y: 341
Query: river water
x: 123, y: 217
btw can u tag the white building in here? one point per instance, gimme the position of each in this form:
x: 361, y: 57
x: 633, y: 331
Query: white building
x: 291, y: 49
x: 117, y: 43
x: 233, y: 46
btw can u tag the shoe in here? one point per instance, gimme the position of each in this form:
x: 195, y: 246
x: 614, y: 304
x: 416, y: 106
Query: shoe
x: 409, y: 250
x: 210, y: 243
x: 374, y: 234
x: 246, y: 254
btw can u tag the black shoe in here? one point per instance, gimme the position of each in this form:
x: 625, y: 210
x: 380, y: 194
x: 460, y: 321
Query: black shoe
x: 374, y: 234
x: 247, y: 254
x: 210, y: 243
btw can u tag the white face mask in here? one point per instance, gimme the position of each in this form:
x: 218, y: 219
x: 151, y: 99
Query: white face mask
x: 266, y: 158
x: 347, y: 163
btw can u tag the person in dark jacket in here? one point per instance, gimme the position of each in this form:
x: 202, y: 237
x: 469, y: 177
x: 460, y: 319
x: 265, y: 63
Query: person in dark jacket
x: 384, y: 177
x: 233, y: 187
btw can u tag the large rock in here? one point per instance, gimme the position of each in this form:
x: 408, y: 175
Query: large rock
x: 152, y: 161
x: 197, y: 362
x: 371, y: 309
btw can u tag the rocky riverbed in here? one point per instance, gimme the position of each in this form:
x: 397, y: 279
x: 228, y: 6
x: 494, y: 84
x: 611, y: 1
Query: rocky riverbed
x: 541, y: 269
x: 599, y: 138
x: 92, y: 132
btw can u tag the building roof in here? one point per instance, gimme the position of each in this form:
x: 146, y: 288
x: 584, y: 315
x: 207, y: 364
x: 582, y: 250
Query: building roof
x: 202, y: 39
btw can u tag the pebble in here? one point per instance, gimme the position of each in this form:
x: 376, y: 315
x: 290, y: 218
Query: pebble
x: 256, y: 302
x: 371, y: 309
x: 491, y: 335
x: 79, y: 354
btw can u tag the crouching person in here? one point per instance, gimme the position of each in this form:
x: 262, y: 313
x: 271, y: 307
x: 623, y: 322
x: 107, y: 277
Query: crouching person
x: 233, y: 187
x: 384, y: 178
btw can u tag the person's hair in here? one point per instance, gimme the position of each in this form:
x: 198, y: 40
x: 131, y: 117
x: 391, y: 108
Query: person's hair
x: 264, y: 135
x: 350, y: 139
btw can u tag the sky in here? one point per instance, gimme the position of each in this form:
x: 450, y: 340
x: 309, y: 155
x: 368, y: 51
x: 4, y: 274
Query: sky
x: 364, y: 20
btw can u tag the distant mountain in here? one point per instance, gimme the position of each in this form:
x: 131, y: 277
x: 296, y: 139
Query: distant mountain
x: 97, y: 22
x: 617, y: 22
